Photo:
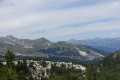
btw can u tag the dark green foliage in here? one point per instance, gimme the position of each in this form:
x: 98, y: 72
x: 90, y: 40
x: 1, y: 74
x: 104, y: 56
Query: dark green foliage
x: 69, y: 76
x: 91, y: 73
x: 107, y: 69
x: 8, y: 72
x: 31, y: 64
x: 31, y: 78
x: 43, y: 63
x: 63, y: 73
x: 12, y: 72
x: 22, y: 68
x: 110, y: 67
x: 111, y: 62
x: 109, y: 75
x: 58, y: 70
x: 9, y: 56
x: 21, y: 76
x: 1, y: 64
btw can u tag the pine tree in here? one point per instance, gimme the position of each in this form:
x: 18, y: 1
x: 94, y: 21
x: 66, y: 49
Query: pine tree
x: 8, y: 72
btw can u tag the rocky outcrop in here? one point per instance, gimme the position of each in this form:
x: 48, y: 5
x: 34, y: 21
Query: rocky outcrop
x: 39, y: 70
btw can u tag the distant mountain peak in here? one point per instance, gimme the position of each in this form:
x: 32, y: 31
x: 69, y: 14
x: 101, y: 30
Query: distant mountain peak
x: 42, y: 40
x: 11, y: 37
x: 106, y: 44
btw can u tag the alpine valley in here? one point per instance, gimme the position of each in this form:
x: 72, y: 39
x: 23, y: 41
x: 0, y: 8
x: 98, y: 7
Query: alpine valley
x: 44, y: 49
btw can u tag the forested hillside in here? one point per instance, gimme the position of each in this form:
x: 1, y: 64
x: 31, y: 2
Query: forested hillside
x: 12, y: 69
x: 111, y: 62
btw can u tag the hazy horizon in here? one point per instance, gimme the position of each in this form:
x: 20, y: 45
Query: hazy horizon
x: 63, y: 40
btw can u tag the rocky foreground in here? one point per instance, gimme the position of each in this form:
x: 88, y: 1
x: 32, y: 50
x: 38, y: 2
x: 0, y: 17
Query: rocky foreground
x: 40, y: 68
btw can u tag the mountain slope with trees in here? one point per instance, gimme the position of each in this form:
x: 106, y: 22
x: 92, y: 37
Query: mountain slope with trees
x: 44, y: 48
x: 65, y: 71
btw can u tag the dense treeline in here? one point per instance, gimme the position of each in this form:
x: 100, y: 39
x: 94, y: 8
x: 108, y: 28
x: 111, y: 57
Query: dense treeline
x: 61, y: 73
x: 21, y: 71
x: 107, y: 69
x: 110, y: 63
x: 12, y: 72
x: 94, y: 73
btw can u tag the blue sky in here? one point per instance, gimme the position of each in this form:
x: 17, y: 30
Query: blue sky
x: 59, y: 20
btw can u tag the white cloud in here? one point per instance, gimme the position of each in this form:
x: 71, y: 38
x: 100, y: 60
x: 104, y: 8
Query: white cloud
x: 28, y: 16
x: 113, y: 25
x: 114, y: 34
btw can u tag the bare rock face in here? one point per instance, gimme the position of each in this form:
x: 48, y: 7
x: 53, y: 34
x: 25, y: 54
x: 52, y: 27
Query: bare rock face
x: 15, y: 41
x: 39, y: 70
x: 116, y: 54
x: 26, y: 43
x: 12, y: 38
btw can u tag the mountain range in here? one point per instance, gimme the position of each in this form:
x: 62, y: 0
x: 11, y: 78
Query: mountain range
x: 44, y: 48
x: 106, y: 44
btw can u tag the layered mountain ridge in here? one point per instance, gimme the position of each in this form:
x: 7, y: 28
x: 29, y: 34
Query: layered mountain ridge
x: 26, y: 43
x: 45, y: 48
x: 105, y: 44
